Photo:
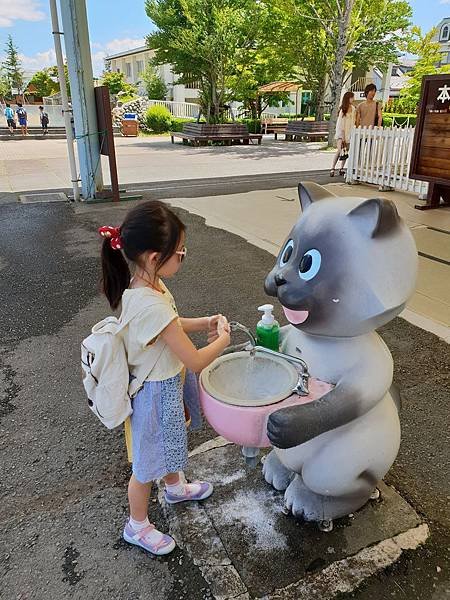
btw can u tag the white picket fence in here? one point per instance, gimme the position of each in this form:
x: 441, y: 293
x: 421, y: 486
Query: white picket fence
x: 189, y: 110
x: 186, y: 110
x: 383, y: 157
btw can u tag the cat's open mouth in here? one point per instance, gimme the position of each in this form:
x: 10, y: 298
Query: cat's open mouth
x: 295, y: 317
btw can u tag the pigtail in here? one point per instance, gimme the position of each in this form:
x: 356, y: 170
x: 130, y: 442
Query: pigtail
x: 116, y: 273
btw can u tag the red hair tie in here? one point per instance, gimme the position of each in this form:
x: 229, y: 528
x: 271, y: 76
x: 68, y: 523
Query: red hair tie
x: 113, y: 234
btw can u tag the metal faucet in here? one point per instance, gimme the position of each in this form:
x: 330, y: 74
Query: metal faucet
x: 235, y: 326
x: 302, y: 384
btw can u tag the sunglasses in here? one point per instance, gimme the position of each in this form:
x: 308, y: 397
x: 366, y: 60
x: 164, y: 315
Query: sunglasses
x: 182, y: 253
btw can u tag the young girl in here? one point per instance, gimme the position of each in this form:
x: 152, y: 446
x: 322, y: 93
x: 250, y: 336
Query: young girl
x: 152, y: 238
x: 344, y: 126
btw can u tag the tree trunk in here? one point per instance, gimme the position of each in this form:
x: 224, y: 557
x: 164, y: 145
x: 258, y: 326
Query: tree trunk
x: 337, y: 76
x: 320, y: 98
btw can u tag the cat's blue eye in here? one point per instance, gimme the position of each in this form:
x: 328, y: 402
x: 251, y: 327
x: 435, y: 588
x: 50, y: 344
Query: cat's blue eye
x: 310, y: 264
x: 287, y: 253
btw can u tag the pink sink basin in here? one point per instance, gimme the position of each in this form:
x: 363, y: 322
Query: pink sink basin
x: 246, y: 425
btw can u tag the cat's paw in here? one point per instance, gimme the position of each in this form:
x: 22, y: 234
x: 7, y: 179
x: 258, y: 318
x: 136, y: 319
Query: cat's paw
x: 275, y: 473
x: 302, y: 502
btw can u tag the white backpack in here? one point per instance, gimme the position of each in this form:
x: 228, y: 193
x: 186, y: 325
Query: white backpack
x: 106, y: 376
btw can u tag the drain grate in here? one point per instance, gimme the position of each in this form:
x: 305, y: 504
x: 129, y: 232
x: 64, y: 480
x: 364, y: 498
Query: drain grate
x: 45, y: 197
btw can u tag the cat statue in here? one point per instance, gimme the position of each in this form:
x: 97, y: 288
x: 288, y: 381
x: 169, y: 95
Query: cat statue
x: 348, y: 266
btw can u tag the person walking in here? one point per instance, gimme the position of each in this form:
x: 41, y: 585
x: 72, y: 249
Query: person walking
x: 22, y: 116
x: 368, y: 113
x: 10, y: 121
x: 344, y: 126
x: 43, y: 116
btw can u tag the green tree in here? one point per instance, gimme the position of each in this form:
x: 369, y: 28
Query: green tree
x: 429, y: 57
x: 12, y: 66
x: 206, y: 41
x: 53, y: 72
x: 44, y: 83
x: 4, y: 86
x: 355, y: 34
x: 116, y: 83
x: 155, y: 87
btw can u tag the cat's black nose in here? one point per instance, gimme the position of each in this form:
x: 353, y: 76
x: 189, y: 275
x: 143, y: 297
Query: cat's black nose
x: 279, y: 280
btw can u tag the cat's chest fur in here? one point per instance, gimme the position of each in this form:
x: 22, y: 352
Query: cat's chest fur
x: 330, y: 358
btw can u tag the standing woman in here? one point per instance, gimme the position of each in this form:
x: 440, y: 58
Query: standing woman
x: 344, y: 126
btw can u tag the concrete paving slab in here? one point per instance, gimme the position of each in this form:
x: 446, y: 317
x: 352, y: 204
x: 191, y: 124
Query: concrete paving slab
x: 432, y: 243
x: 242, y: 533
x: 44, y: 197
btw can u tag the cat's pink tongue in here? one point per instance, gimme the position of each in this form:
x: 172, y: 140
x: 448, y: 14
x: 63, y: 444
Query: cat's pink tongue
x: 295, y: 316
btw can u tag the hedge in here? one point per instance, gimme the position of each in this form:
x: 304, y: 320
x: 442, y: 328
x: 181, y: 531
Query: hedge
x: 401, y: 120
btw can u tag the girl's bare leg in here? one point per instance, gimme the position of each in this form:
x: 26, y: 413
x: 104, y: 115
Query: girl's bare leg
x: 139, y: 495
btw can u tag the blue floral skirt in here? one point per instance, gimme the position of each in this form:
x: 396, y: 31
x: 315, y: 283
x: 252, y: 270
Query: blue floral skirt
x: 157, y: 426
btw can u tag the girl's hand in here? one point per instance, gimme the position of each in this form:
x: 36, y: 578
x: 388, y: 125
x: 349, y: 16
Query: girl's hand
x: 223, y: 329
x: 212, y: 328
x: 217, y: 324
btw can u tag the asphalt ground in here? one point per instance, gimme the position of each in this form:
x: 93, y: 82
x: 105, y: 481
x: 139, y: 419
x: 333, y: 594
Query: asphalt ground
x: 63, y: 481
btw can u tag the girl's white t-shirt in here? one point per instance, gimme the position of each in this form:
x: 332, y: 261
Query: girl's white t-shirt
x: 149, y: 312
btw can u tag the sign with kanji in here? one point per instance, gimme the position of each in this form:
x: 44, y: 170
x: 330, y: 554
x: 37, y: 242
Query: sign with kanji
x: 431, y: 150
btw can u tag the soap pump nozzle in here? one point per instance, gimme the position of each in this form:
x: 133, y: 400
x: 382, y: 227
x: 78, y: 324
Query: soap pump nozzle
x: 267, y: 318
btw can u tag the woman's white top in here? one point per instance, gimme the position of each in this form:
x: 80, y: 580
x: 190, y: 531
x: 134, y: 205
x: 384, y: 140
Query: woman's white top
x: 345, y: 124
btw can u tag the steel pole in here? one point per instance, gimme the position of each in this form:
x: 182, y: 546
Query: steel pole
x: 78, y: 55
x: 67, y: 113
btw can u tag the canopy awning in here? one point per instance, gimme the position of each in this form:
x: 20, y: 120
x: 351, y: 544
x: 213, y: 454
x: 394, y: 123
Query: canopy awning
x: 280, y: 86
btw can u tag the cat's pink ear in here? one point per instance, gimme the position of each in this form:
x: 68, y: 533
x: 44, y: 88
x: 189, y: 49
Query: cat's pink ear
x: 376, y: 217
x: 310, y: 192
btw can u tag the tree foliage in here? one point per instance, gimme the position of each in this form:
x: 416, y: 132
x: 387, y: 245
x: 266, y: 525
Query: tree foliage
x: 210, y: 41
x: 116, y: 83
x: 12, y: 66
x: 44, y: 83
x: 234, y: 46
x: 53, y: 72
x: 341, y: 35
x: 4, y: 85
x: 155, y: 87
x: 429, y: 56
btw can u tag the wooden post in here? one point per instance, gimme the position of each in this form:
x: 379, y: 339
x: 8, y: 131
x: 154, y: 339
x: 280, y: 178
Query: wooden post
x: 106, y: 135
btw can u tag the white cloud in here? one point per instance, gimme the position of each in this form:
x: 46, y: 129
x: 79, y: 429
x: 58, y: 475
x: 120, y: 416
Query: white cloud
x: 20, y: 10
x: 444, y: 2
x: 122, y: 45
x: 38, y: 61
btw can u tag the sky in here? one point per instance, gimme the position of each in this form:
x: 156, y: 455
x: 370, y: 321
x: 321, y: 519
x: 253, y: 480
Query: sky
x: 116, y: 26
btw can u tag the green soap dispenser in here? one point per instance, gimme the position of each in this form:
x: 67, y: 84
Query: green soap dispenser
x: 268, y: 330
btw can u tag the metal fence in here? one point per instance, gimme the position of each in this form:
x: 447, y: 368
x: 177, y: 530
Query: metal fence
x: 382, y: 157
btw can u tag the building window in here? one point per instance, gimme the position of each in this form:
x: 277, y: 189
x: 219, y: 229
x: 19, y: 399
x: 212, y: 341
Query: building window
x: 128, y: 69
x: 140, y: 66
x: 445, y: 33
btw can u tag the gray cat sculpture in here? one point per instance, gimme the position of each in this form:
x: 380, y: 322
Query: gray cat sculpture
x: 349, y: 266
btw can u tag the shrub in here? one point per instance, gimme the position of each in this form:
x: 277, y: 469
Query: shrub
x: 254, y: 125
x: 177, y: 123
x: 401, y: 120
x: 158, y: 119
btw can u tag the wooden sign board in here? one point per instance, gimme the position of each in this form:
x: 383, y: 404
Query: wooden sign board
x: 430, y: 160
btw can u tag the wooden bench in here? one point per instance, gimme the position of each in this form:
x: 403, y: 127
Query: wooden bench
x: 307, y: 130
x: 201, y: 133
x: 274, y: 125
